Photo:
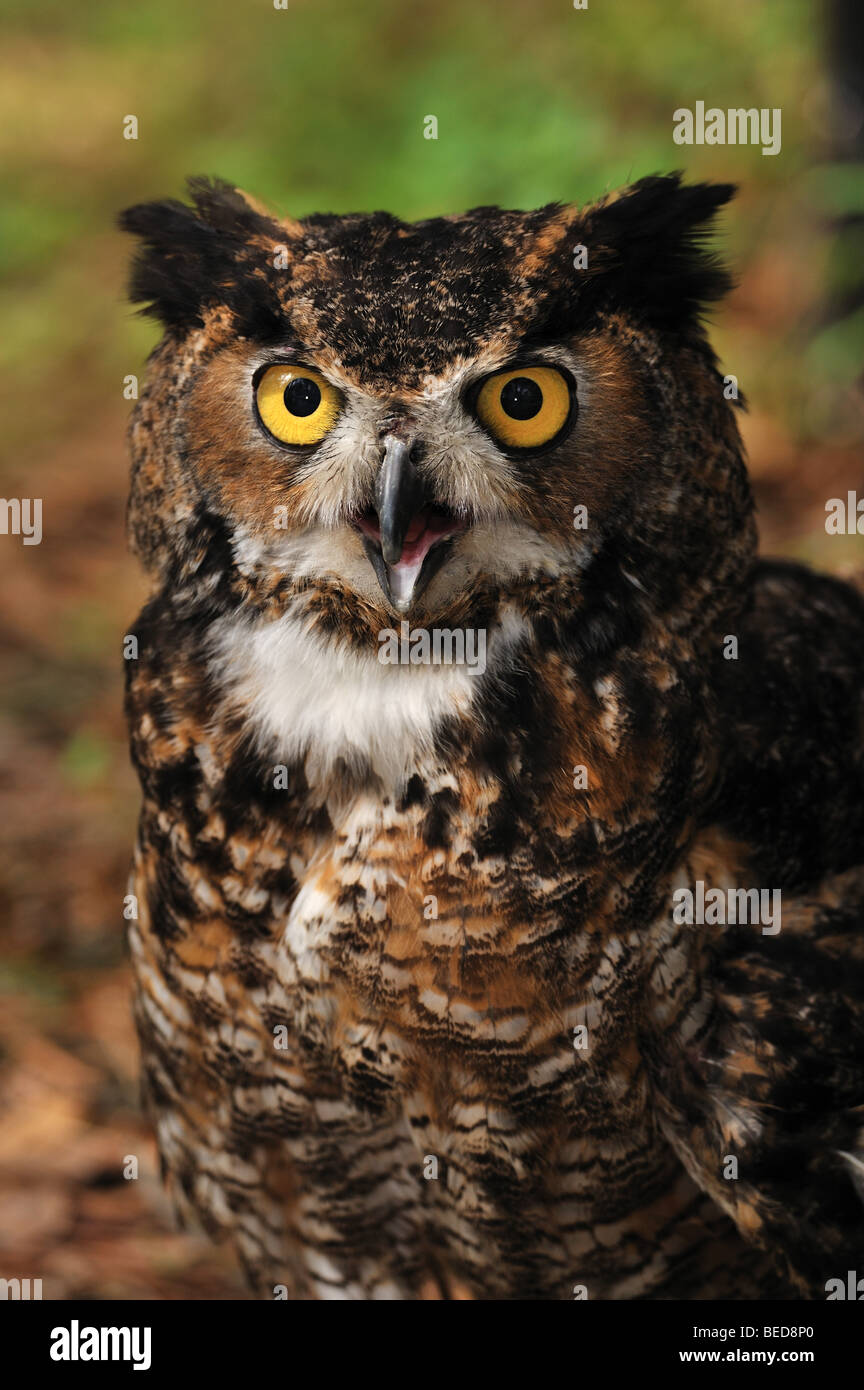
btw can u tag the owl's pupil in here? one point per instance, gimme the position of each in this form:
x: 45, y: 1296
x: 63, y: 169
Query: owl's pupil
x: 302, y: 396
x: 521, y: 398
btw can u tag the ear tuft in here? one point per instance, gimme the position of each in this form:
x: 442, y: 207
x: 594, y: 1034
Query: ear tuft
x: 652, y: 254
x: 189, y: 255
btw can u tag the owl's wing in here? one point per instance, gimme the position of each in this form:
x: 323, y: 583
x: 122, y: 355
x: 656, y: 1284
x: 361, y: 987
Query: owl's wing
x: 775, y: 1081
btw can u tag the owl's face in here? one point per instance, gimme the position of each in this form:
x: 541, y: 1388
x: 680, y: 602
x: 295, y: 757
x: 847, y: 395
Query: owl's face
x: 438, y: 420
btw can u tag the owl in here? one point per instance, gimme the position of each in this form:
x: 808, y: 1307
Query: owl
x: 500, y: 868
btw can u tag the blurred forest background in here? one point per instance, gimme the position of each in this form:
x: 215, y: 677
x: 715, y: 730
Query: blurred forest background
x: 320, y: 107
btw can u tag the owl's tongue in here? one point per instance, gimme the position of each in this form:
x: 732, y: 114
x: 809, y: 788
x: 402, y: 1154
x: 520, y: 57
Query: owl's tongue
x: 425, y: 528
x: 423, y: 531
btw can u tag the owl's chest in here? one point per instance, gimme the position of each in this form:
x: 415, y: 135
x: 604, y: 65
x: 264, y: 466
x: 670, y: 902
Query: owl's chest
x: 434, y: 977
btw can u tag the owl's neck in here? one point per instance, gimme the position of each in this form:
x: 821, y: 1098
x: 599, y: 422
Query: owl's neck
x: 336, y: 709
x: 528, y: 712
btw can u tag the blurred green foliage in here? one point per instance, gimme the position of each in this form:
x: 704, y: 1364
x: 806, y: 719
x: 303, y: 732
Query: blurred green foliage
x: 86, y: 758
x: 320, y: 107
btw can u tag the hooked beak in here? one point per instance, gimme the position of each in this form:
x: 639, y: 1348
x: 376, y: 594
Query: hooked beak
x: 398, y: 496
x: 406, y: 537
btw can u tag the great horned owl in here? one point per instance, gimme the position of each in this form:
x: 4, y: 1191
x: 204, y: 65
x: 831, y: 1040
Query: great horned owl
x: 417, y: 1006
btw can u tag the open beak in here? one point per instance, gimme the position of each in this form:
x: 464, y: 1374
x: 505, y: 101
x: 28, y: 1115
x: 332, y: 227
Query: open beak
x: 406, y: 536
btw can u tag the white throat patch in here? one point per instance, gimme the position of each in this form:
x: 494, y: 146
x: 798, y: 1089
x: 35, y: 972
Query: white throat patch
x: 314, y: 700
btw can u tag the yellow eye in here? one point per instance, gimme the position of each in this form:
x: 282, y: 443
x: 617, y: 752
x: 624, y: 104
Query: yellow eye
x: 524, y: 407
x: 296, y: 404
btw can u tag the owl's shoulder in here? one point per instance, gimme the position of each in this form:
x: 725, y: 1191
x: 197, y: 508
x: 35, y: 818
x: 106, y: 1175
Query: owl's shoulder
x: 790, y: 701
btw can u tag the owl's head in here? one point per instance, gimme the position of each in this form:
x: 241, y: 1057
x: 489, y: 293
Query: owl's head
x: 440, y: 420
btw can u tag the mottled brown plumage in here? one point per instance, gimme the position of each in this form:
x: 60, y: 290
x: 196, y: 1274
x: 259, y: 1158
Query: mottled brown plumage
x: 414, y: 1004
